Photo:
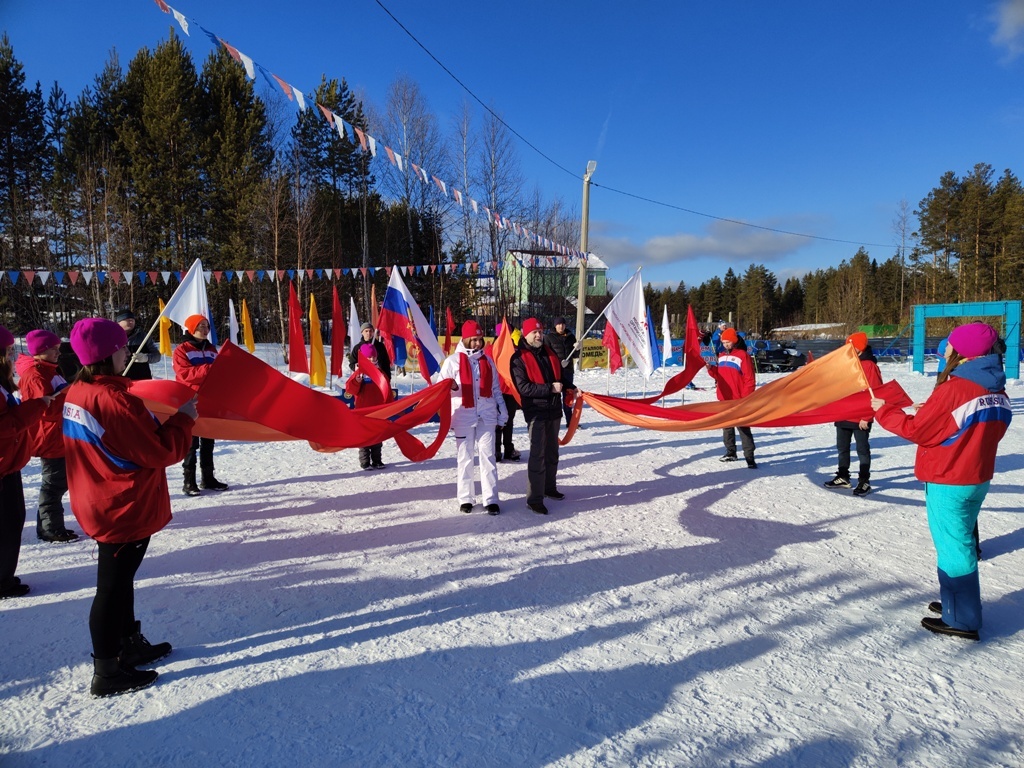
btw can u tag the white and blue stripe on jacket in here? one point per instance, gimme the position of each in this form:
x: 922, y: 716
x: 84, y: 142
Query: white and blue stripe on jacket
x: 79, y: 424
x: 991, y: 407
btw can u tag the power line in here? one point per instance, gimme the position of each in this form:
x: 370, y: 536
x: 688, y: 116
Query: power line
x: 624, y: 193
x: 476, y: 98
x: 736, y: 221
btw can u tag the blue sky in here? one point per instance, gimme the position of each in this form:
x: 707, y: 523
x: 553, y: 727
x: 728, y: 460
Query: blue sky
x: 801, y: 117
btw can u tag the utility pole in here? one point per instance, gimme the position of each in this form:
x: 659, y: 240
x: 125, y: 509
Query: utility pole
x: 581, y: 297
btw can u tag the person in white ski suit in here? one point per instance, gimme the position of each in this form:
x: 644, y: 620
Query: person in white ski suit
x: 477, y: 408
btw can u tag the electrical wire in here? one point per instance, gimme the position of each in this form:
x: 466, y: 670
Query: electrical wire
x: 624, y: 193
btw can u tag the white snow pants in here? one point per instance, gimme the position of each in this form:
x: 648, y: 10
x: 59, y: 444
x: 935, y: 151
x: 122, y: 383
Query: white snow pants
x: 476, y: 438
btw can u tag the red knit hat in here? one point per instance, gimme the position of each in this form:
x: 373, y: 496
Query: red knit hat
x: 859, y: 340
x: 471, y: 328
x: 192, y: 322
x: 38, y: 342
x: 96, y: 338
x: 532, y: 324
x: 729, y: 334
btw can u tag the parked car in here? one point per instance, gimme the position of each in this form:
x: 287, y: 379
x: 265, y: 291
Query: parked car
x: 779, y: 360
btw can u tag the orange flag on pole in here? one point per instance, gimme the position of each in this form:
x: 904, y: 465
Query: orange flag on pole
x: 247, y: 336
x: 504, y: 348
x: 317, y: 359
x: 165, y: 331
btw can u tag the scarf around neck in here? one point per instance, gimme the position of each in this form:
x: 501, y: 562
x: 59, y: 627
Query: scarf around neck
x: 466, y: 380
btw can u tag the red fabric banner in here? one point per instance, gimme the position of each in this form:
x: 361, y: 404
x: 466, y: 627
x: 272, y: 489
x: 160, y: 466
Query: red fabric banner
x: 243, y: 398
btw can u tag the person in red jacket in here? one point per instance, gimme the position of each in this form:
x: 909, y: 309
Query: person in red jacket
x: 857, y: 430
x: 116, y: 458
x: 191, y: 361
x: 734, y: 379
x: 40, y: 376
x: 18, y: 422
x: 957, y: 431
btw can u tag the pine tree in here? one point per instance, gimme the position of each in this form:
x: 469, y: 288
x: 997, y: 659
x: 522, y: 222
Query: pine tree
x: 22, y: 163
x: 235, y: 157
x: 163, y: 143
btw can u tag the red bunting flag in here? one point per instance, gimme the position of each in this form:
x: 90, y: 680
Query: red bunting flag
x: 284, y: 87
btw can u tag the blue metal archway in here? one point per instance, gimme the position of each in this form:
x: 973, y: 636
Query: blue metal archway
x: 1009, y: 311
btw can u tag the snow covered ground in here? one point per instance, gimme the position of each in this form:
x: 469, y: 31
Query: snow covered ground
x: 673, y: 610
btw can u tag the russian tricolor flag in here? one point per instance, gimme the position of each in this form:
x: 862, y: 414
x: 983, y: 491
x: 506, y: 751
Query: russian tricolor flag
x: 401, y: 316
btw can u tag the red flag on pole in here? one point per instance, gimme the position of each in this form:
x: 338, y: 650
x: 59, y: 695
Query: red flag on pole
x: 611, y: 342
x: 297, y: 360
x: 337, y: 335
x: 449, y: 325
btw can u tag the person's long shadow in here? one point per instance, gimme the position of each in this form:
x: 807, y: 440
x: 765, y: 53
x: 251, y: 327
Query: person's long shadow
x: 737, y: 543
x: 516, y: 704
x: 523, y: 702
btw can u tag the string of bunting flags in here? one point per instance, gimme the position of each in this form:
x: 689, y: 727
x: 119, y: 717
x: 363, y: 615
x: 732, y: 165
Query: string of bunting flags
x: 370, y: 144
x: 262, y: 275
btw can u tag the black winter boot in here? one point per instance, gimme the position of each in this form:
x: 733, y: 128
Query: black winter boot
x: 190, y: 488
x: 375, y: 457
x: 210, y: 482
x: 110, y: 677
x: 137, y: 651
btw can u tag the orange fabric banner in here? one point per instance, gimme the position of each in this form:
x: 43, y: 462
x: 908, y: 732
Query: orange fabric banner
x: 828, y: 379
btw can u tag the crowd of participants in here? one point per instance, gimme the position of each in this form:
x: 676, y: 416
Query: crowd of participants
x: 97, y: 441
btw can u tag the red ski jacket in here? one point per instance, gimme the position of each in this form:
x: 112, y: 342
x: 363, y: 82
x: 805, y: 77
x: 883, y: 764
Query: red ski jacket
x: 39, y: 378
x: 957, y: 431
x: 191, y: 361
x: 116, y: 454
x: 18, y: 422
x: 734, y: 375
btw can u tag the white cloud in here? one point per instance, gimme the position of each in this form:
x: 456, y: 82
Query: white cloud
x: 1009, y: 20
x: 721, y: 241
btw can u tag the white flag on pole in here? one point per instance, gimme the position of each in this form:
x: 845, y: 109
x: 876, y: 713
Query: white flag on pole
x: 353, y: 323
x: 190, y: 297
x: 232, y: 322
x: 666, y: 335
x: 628, y: 315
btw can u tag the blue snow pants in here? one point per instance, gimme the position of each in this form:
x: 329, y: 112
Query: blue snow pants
x: 952, y: 515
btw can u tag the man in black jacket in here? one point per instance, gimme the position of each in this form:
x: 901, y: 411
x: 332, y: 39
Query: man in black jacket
x: 147, y: 355
x: 542, y: 381
x: 563, y: 341
x: 370, y: 457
